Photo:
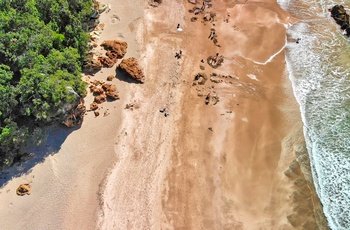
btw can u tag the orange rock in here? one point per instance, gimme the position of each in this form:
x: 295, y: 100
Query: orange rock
x: 93, y: 106
x: 110, y: 78
x: 117, y: 48
x: 100, y: 98
x: 132, y: 67
x: 98, y: 91
x: 23, y: 189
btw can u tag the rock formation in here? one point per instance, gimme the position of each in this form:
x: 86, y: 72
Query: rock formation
x: 92, y: 64
x: 23, y: 189
x: 97, y: 91
x: 132, y: 68
x: 111, y: 91
x: 107, y: 62
x: 115, y: 49
x: 75, y: 116
x: 341, y: 17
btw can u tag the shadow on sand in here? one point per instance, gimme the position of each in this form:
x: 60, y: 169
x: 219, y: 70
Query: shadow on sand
x: 55, y: 136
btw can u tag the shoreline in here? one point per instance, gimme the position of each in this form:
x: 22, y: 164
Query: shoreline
x: 230, y: 165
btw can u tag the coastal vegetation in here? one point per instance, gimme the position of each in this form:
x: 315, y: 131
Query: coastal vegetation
x: 43, y: 44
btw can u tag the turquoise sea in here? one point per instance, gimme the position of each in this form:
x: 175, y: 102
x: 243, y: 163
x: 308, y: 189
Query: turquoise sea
x: 319, y: 68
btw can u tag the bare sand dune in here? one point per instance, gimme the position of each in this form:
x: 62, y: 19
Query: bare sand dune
x: 230, y: 154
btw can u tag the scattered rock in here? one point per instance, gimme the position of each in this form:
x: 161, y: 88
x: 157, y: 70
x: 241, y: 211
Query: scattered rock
x: 209, y: 16
x: 210, y: 129
x: 93, y: 106
x: 97, y: 113
x: 97, y: 90
x: 132, y: 68
x: 129, y: 106
x: 97, y: 82
x: 23, y: 189
x: 100, y: 98
x: 111, y: 91
x: 110, y: 78
x: 155, y: 3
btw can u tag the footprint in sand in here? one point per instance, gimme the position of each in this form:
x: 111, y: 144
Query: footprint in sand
x: 114, y: 19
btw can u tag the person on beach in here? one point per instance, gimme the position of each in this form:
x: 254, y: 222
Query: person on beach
x: 178, y: 55
x: 212, y: 34
x: 203, y: 6
x: 178, y: 28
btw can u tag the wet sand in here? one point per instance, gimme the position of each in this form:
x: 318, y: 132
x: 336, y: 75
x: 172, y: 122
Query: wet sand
x: 231, y: 165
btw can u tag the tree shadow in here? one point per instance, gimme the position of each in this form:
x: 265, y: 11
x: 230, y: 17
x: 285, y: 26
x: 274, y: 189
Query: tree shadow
x: 54, y: 138
x: 123, y: 76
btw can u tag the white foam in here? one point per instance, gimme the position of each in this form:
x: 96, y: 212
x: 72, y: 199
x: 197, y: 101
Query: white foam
x: 253, y: 77
x: 322, y: 88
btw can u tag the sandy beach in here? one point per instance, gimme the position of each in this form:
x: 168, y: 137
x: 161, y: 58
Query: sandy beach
x: 230, y: 154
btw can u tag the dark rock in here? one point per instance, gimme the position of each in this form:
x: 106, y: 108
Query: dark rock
x: 341, y: 17
x: 92, y: 64
x: 75, y: 116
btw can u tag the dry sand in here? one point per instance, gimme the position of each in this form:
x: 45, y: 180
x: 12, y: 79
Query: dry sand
x: 220, y: 166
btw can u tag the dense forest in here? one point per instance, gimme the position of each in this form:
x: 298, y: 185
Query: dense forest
x: 42, y: 47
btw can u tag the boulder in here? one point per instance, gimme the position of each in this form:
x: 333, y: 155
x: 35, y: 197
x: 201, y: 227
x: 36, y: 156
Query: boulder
x: 111, y: 91
x: 107, y: 62
x: 341, y: 17
x: 115, y: 48
x: 93, y: 106
x: 100, y: 98
x: 75, y: 116
x: 97, y: 91
x: 110, y: 78
x: 92, y: 64
x: 23, y: 189
x: 132, y: 68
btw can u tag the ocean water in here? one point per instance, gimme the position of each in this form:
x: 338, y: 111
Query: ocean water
x: 319, y: 68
